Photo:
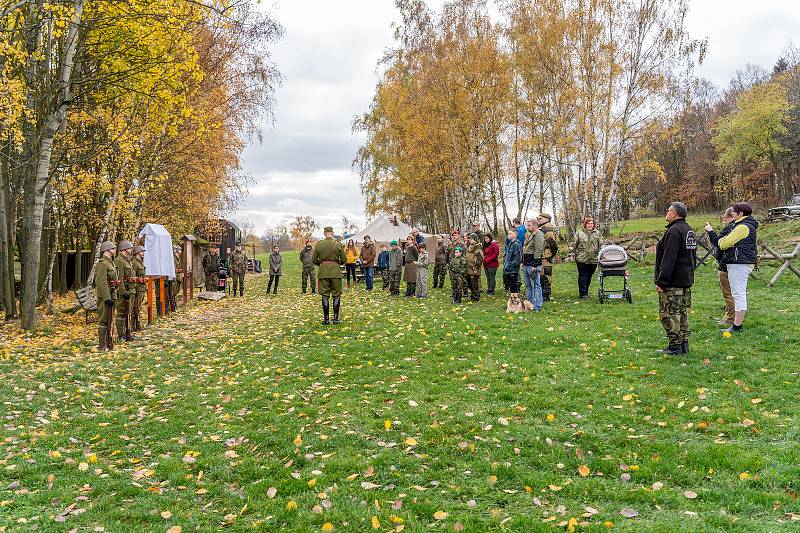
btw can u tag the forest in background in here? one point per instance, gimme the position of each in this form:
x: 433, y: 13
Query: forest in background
x: 582, y: 108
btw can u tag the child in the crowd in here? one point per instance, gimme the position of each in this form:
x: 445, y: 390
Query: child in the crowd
x: 395, y: 268
x: 275, y: 269
x: 383, y: 266
x: 458, y: 273
x: 422, y: 263
x: 511, y: 261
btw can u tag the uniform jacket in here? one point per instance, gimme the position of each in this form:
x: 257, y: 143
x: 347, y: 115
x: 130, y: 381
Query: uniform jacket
x: 474, y: 259
x: 740, y: 245
x: 328, y: 255
x: 585, y: 246
x: 410, y: 272
x: 457, y: 268
x: 368, y: 254
x: 124, y: 271
x: 491, y: 255
x: 238, y: 262
x: 275, y: 264
x: 512, y: 257
x: 395, y: 261
x: 138, y: 272
x: 211, y: 264
x: 675, y: 254
x: 550, y: 241
x: 176, y: 257
x: 307, y: 257
x: 105, y: 276
x: 440, y: 256
x: 533, y: 249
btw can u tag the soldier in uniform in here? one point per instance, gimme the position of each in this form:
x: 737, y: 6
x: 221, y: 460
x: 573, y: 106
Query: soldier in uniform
x: 329, y: 256
x: 550, y: 251
x: 439, y: 263
x: 211, y: 268
x: 309, y: 270
x: 674, y: 277
x: 139, y: 281
x: 474, y: 260
x: 126, y: 290
x: 458, y: 271
x: 238, y: 268
x: 455, y: 242
x: 106, y: 283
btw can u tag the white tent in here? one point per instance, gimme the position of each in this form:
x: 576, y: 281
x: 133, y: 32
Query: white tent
x: 384, y: 230
x: 158, y: 256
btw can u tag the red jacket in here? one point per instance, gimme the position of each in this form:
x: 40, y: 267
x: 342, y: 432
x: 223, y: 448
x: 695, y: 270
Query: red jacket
x: 490, y: 255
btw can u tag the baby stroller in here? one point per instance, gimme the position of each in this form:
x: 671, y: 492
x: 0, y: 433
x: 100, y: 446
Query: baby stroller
x: 613, y: 261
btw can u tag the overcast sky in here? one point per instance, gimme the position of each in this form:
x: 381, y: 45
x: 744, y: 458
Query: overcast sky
x: 328, y: 57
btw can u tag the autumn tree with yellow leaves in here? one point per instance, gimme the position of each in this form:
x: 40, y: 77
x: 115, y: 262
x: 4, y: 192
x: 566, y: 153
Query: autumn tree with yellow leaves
x: 117, y: 113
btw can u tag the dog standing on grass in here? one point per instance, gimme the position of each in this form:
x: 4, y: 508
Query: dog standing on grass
x: 517, y: 305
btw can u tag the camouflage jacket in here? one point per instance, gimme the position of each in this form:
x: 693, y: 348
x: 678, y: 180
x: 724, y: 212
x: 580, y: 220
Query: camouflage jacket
x: 550, y: 241
x: 238, y: 262
x: 457, y: 267
x: 585, y: 246
x: 474, y: 259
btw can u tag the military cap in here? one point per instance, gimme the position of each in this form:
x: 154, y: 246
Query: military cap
x: 545, y: 215
x: 106, y: 246
x: 328, y: 229
x: 138, y: 249
x: 393, y: 243
x: 125, y: 245
x: 474, y: 235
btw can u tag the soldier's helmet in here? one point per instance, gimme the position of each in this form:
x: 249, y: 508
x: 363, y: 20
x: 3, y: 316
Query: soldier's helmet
x: 138, y: 249
x: 125, y: 245
x: 106, y: 246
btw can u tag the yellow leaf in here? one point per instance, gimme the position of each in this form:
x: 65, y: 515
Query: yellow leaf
x: 551, y: 417
x: 627, y: 398
x: 755, y: 400
x: 166, y: 515
x: 376, y: 524
x: 528, y: 489
x: 298, y: 440
x: 175, y: 529
x: 744, y: 475
x: 571, y: 524
x: 411, y: 441
x: 291, y: 505
x: 312, y: 482
x: 327, y: 526
x: 583, y: 470
x: 440, y: 515
x: 387, y: 424
x: 609, y: 524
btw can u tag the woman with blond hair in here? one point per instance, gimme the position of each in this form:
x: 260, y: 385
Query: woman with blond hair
x: 351, y: 252
x: 583, y: 250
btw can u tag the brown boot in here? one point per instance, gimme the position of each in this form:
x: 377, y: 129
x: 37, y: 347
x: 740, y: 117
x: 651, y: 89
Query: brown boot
x: 101, y: 338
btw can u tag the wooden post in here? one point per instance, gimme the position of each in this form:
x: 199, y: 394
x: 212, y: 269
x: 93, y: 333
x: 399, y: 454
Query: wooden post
x: 149, y: 300
x: 787, y: 262
x: 161, y: 293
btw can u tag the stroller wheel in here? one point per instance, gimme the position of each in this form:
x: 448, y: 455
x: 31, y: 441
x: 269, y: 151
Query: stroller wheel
x: 600, y: 295
x: 628, y: 296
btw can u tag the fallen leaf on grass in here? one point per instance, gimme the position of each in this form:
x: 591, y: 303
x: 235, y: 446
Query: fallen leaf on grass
x: 629, y: 513
x: 271, y: 492
x: 658, y: 485
x: 166, y: 515
x: 583, y: 470
x: 440, y: 515
x: 690, y: 494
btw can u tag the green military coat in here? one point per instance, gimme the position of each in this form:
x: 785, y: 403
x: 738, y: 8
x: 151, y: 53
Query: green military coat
x: 328, y: 255
x: 105, y: 275
x: 585, y: 246
x: 138, y: 272
x: 124, y: 271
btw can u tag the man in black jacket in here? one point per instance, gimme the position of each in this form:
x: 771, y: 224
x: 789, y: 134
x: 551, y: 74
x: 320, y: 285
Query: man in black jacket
x: 674, y: 277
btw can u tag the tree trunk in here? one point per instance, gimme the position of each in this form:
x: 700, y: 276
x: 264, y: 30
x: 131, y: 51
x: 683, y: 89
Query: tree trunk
x: 6, y: 240
x: 36, y: 180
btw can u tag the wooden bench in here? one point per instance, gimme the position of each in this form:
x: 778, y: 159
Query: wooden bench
x: 86, y: 299
x: 359, y: 273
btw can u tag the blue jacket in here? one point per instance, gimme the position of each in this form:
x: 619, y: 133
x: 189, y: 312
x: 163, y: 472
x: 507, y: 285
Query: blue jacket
x: 383, y: 260
x: 520, y: 234
x: 512, y: 257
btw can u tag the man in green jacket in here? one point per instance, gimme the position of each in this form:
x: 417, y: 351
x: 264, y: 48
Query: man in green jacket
x: 140, y: 283
x: 126, y: 290
x: 328, y: 256
x: 550, y: 252
x: 309, y: 270
x: 238, y: 268
x: 105, y: 282
x: 532, y: 252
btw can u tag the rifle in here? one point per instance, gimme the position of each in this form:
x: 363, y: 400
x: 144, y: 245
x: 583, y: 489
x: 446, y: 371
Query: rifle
x: 110, y: 327
x: 128, y: 336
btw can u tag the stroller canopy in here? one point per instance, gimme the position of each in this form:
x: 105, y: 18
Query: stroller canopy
x: 612, y: 256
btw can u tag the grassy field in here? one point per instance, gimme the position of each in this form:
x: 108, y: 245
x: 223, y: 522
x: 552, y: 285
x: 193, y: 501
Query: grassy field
x: 411, y: 415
